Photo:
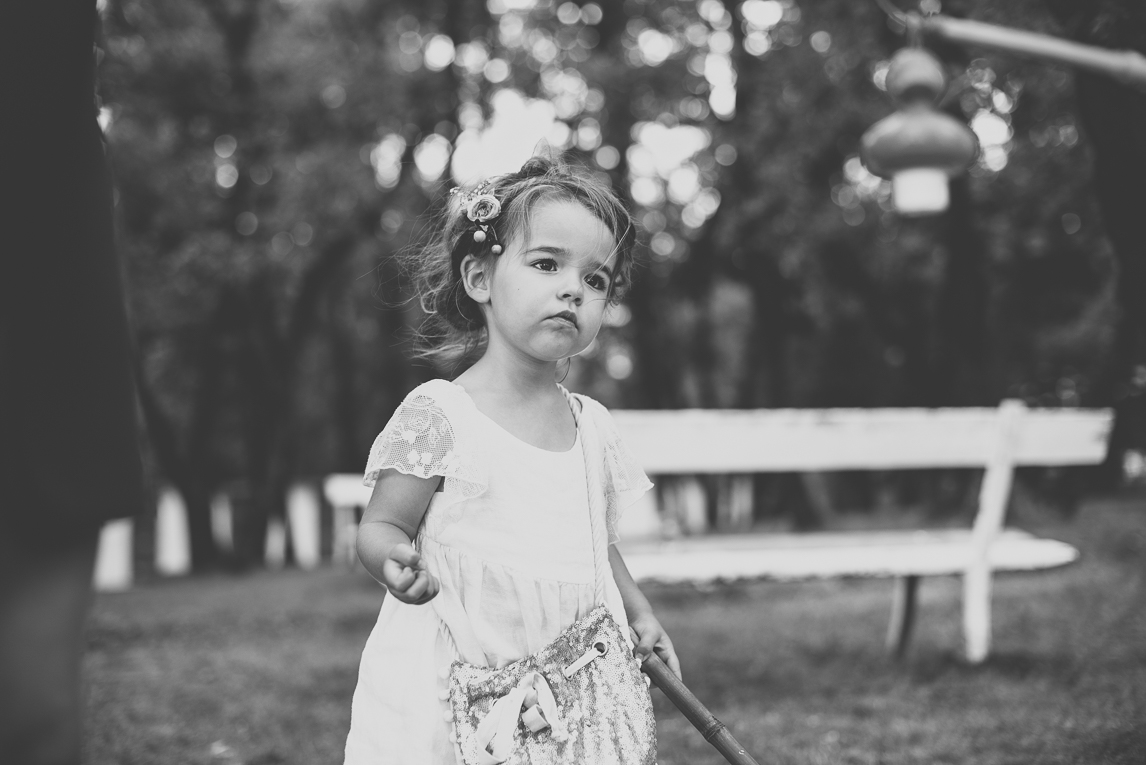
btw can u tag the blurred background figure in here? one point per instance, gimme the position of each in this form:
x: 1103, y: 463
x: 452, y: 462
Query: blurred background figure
x: 69, y: 457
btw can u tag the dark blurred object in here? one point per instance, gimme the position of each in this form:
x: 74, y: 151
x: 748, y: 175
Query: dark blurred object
x: 69, y: 455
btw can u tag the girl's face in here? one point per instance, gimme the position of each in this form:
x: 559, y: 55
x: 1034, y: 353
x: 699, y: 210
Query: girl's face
x: 546, y: 295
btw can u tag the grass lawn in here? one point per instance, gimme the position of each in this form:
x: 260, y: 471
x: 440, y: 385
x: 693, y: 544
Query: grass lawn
x: 259, y: 669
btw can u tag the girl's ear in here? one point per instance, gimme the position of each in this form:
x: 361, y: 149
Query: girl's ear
x: 475, y: 278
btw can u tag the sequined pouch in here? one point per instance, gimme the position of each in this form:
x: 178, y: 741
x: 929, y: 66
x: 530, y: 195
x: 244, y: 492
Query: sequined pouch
x: 580, y: 700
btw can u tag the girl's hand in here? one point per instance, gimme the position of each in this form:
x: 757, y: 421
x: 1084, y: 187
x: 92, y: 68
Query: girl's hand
x: 649, y: 636
x: 407, y: 576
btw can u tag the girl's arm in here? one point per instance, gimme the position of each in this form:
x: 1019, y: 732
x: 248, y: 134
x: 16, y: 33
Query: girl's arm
x: 385, y: 535
x: 650, y: 635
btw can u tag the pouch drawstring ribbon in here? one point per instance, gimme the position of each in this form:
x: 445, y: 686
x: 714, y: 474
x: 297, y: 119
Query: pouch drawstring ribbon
x: 495, y: 733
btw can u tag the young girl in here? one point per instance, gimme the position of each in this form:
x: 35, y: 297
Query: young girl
x: 479, y: 520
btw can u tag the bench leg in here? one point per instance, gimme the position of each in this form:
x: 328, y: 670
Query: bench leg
x: 902, y: 615
x: 977, y: 613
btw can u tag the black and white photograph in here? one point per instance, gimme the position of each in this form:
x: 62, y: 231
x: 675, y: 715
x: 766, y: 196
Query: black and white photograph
x: 573, y: 382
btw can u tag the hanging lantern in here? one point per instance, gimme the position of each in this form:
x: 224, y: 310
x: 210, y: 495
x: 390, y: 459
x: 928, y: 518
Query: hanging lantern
x: 917, y: 147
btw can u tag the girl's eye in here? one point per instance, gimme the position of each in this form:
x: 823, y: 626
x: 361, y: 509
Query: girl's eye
x: 545, y: 264
x: 597, y: 282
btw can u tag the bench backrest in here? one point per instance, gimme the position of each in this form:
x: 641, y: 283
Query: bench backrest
x: 687, y: 441
x: 777, y: 440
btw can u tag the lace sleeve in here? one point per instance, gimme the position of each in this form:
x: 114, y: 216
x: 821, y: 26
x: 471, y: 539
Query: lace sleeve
x: 625, y: 479
x: 422, y: 440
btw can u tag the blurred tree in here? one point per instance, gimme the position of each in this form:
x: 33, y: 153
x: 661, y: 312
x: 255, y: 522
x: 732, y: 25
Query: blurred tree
x: 273, y: 158
x: 243, y: 136
x: 1113, y: 117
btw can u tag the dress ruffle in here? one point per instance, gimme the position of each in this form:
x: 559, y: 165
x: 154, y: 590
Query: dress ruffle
x: 430, y: 435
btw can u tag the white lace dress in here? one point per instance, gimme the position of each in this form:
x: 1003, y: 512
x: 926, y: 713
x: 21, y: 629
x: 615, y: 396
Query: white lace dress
x: 508, y: 536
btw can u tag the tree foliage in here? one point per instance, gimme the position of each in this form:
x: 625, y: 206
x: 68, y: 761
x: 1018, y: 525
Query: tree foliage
x: 274, y: 157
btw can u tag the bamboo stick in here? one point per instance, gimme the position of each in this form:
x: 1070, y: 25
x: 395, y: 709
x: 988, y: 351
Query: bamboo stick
x: 713, y: 730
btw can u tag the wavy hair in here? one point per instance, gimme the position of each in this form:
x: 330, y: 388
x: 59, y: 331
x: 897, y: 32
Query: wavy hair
x: 453, y: 331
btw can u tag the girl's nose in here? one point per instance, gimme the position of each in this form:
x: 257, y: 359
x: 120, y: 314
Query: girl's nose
x: 574, y: 291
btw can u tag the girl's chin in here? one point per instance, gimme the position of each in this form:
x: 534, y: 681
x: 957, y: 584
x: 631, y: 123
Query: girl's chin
x: 555, y: 355
x: 551, y: 348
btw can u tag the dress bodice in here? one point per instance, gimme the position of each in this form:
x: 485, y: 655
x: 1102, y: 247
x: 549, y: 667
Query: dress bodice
x: 516, y: 561
x: 533, y: 517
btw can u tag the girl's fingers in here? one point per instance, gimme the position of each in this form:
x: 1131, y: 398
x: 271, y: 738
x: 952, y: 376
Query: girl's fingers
x: 643, y: 644
x: 407, y: 556
x: 654, y: 640
x: 646, y: 645
x: 432, y: 588
x: 410, y: 583
x: 416, y: 590
x: 425, y: 583
x: 397, y: 576
x: 668, y: 655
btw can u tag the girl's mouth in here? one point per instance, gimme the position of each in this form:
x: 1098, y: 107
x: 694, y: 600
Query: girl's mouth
x: 567, y: 316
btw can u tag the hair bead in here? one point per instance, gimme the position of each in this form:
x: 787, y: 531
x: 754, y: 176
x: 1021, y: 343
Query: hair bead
x: 496, y: 249
x: 479, y: 236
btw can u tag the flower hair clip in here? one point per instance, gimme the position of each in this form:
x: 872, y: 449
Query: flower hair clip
x: 481, y: 207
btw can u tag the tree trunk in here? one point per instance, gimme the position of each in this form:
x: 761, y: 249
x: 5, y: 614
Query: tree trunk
x: 346, y: 405
x: 960, y: 375
x: 1113, y: 118
x: 188, y: 465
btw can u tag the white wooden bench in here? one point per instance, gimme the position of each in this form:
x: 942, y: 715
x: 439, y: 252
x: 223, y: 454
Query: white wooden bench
x: 726, y: 441
x: 690, y: 442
